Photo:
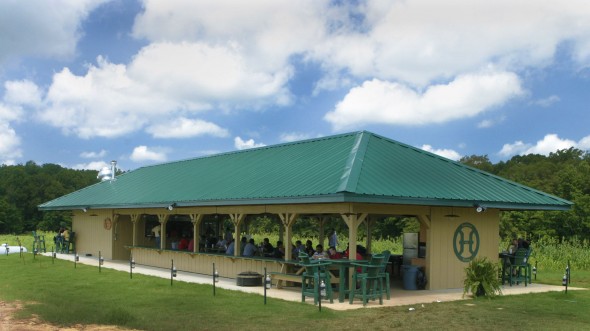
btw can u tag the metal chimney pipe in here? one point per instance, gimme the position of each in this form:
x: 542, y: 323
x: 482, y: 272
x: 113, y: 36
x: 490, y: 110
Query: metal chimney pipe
x: 113, y: 168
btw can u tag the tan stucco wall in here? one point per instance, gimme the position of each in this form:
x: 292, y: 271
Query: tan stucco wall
x: 91, y: 236
x: 445, y: 270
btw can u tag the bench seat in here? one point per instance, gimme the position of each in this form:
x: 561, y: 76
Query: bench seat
x: 283, y: 277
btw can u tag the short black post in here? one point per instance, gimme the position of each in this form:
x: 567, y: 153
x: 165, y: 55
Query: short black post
x: 535, y: 270
x: 569, y: 272
x: 319, y: 290
x: 172, y: 272
x: 76, y: 259
x: 265, y: 275
x: 213, y: 273
x: 52, y: 256
x: 131, y: 266
x: 100, y: 259
x: 564, y: 279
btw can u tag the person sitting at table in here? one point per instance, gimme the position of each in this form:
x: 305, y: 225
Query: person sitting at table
x: 333, y: 253
x: 183, y: 243
x: 522, y: 243
x: 221, y: 243
x: 191, y: 245
x: 230, y: 248
x: 358, y: 257
x: 279, y: 251
x: 65, y: 235
x: 298, y: 248
x: 250, y: 249
x: 243, y: 245
x: 512, y: 247
x: 59, y: 239
x: 309, y: 248
x: 319, y: 253
x: 267, y: 248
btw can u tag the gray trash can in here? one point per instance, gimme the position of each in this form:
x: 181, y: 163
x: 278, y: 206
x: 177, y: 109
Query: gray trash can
x: 409, y: 276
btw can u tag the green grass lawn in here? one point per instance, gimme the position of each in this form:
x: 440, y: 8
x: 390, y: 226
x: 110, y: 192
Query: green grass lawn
x: 61, y: 294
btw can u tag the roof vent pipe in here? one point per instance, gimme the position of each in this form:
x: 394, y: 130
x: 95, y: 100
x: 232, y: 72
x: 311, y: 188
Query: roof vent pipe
x: 113, y: 168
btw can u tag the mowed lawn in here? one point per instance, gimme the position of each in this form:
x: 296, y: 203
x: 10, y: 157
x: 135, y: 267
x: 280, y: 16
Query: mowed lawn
x: 63, y: 295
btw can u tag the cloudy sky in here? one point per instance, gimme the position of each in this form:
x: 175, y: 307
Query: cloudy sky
x: 83, y: 82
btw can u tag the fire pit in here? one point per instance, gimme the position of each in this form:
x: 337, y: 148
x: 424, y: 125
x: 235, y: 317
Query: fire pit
x: 249, y: 278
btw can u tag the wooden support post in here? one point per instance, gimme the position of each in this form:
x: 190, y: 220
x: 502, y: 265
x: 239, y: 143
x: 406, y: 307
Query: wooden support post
x: 352, y: 221
x: 287, y: 220
x: 196, y: 220
x: 163, y: 218
x: 237, y: 221
x: 134, y: 219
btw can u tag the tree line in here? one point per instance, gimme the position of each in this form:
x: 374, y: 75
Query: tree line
x: 565, y: 173
x: 24, y: 187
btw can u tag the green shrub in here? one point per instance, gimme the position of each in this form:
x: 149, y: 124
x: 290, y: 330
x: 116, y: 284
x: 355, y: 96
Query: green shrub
x: 481, y: 278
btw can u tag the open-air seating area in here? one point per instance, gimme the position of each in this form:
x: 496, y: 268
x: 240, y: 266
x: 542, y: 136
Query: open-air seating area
x: 370, y: 277
x: 516, y: 268
x: 66, y: 246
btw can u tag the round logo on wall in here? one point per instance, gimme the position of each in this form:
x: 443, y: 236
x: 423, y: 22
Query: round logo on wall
x: 466, y: 242
x: 107, y: 223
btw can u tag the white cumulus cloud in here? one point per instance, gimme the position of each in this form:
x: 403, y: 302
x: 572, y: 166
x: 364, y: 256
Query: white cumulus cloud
x: 240, y: 144
x: 94, y: 165
x: 112, y: 100
x: 379, y: 101
x: 549, y: 144
x: 548, y: 101
x: 448, y: 153
x: 93, y: 155
x: 9, y: 145
x: 186, y: 128
x: 294, y: 136
x: 584, y: 143
x: 41, y: 28
x: 143, y: 153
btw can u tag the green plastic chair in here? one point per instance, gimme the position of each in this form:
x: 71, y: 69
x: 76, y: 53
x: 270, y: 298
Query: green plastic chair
x: 39, y: 242
x: 370, y: 280
x: 315, y: 272
x: 517, y: 266
x: 384, y: 274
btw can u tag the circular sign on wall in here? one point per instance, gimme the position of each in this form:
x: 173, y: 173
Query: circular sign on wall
x: 466, y: 242
x: 107, y: 223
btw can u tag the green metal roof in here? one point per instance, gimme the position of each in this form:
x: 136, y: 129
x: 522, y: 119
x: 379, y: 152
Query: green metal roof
x: 352, y: 167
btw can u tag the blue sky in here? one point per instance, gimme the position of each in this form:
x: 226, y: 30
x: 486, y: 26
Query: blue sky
x: 84, y: 82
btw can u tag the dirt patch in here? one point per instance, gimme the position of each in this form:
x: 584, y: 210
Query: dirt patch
x: 9, y: 323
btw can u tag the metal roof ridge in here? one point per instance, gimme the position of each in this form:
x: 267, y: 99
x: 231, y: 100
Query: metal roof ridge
x: 310, y: 140
x: 352, y: 169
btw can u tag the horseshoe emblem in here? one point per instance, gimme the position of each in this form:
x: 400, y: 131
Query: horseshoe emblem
x: 466, y: 236
x: 107, y: 223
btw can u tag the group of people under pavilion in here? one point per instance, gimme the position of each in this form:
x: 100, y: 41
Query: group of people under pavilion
x: 220, y: 238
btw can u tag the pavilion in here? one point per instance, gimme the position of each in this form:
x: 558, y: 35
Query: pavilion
x: 359, y: 177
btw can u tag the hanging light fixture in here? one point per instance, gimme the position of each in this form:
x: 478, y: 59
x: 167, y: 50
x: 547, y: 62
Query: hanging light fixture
x: 452, y: 214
